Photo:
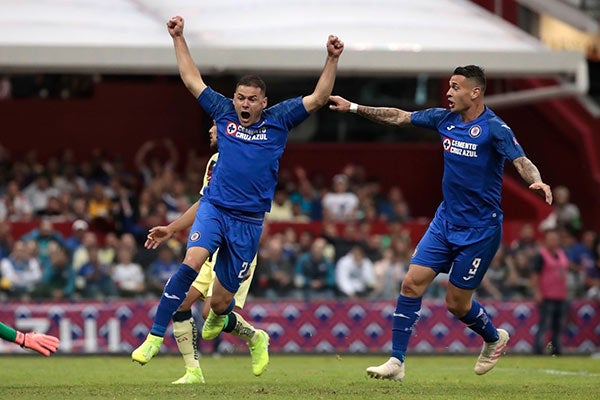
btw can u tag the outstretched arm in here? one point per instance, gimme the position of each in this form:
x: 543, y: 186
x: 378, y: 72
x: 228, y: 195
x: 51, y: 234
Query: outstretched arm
x: 190, y: 75
x: 322, y: 91
x: 531, y: 175
x: 381, y: 115
x: 160, y: 234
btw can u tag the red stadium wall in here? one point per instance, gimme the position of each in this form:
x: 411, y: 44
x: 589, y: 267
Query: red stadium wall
x: 298, y: 327
x: 119, y: 117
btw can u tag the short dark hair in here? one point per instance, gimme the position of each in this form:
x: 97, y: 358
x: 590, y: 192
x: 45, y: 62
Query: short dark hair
x: 472, y: 72
x: 253, y: 81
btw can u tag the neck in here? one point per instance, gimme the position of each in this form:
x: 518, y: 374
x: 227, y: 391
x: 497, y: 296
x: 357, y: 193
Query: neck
x: 472, y: 113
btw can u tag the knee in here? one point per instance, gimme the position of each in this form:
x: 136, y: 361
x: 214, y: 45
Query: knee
x: 410, y: 288
x: 195, y: 259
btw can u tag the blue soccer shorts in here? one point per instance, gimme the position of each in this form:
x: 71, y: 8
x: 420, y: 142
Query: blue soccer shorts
x: 236, y: 235
x: 463, y: 252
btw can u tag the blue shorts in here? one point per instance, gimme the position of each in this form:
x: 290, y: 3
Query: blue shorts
x: 463, y: 252
x: 236, y: 236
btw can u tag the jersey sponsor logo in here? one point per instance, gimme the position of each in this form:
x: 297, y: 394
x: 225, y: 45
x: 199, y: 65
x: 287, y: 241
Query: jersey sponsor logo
x: 195, y: 236
x: 459, y: 147
x: 249, y: 134
x: 475, y: 131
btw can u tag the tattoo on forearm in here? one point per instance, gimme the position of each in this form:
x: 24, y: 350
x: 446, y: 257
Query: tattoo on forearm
x: 384, y: 115
x: 527, y: 170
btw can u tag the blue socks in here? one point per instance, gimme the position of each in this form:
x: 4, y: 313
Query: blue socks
x: 404, y: 320
x: 478, y: 320
x: 173, y: 295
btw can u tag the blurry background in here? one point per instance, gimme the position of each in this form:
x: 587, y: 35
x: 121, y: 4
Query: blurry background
x: 100, y: 140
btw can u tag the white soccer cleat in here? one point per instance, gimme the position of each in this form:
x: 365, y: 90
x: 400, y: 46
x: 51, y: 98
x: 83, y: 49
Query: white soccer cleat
x: 392, y: 369
x: 491, y: 352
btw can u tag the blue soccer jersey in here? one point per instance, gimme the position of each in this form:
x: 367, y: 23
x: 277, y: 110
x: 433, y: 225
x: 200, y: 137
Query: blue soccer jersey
x: 474, y: 157
x: 246, y: 174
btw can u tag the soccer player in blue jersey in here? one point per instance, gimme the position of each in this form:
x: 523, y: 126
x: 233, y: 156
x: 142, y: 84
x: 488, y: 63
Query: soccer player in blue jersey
x: 230, y: 215
x: 465, y: 233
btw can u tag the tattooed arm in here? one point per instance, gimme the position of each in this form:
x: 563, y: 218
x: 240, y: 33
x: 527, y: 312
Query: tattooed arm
x: 381, y: 115
x: 531, y: 175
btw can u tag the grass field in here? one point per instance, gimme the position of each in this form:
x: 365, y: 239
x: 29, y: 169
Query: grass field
x: 298, y: 377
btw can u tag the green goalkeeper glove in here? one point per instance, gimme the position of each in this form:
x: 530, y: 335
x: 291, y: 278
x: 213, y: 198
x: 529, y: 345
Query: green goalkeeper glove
x: 43, y: 344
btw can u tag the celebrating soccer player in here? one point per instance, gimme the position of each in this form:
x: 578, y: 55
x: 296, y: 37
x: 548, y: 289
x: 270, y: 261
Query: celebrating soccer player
x: 230, y: 214
x: 466, y: 230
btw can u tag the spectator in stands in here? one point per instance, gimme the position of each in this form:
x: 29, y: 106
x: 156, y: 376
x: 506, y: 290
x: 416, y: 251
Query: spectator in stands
x: 387, y: 206
x: 150, y: 163
x: 79, y: 208
x: 127, y: 275
x: 519, y: 277
x: 14, y: 204
x: 493, y: 284
x: 161, y: 269
x: 344, y: 243
x: 108, y: 252
x: 340, y: 204
x: 592, y: 280
x: 78, y: 229
x: 100, y: 207
x: 389, y: 272
x: 549, y: 281
x: 274, y: 277
x: 39, y: 192
x: 95, y: 278
x: 58, y: 280
x: 315, y: 273
x: 390, y: 269
x: 565, y: 214
x: 81, y: 255
x: 21, y: 271
x: 70, y: 182
x: 526, y: 241
x: 306, y: 197
x: 354, y: 274
x: 281, y: 206
x: 581, y: 259
x: 43, y: 237
x: 6, y: 240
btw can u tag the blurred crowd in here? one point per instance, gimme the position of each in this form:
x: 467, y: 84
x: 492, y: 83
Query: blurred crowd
x: 109, y: 207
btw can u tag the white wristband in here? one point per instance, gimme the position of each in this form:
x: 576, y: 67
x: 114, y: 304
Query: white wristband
x: 353, y: 108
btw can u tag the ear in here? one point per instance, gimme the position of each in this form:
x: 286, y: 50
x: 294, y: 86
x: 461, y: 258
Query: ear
x: 475, y: 92
x: 265, y: 101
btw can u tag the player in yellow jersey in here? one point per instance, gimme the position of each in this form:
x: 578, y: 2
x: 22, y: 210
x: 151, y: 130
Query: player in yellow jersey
x: 184, y: 326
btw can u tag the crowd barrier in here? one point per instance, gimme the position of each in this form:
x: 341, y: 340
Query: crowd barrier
x: 297, y: 327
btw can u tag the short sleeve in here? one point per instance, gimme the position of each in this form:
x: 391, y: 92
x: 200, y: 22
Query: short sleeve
x: 429, y: 118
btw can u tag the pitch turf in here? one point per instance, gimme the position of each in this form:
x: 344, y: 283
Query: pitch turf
x: 298, y: 377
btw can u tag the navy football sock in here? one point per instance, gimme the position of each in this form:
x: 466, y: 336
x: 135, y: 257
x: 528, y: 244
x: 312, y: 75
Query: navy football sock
x: 173, y: 295
x: 478, y: 320
x: 404, y: 320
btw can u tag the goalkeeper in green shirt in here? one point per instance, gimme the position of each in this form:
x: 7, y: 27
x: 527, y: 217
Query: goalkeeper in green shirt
x: 43, y: 344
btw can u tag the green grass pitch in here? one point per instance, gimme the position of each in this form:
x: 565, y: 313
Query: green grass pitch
x: 298, y: 377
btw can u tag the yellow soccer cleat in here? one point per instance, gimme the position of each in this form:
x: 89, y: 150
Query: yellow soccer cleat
x: 192, y: 376
x: 147, y: 350
x: 259, y: 351
x: 213, y: 325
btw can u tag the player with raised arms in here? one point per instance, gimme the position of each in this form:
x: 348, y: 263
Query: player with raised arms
x: 231, y: 212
